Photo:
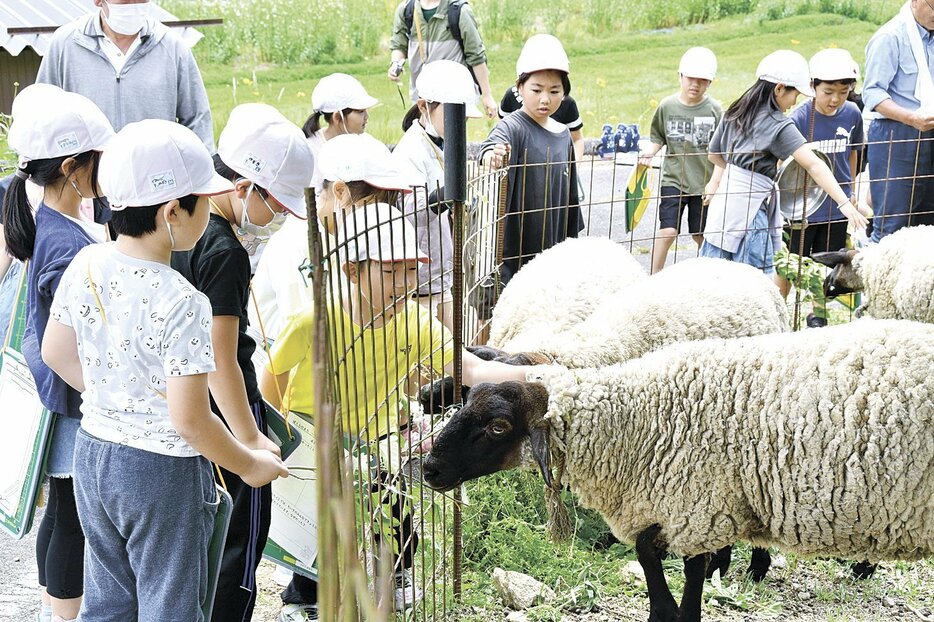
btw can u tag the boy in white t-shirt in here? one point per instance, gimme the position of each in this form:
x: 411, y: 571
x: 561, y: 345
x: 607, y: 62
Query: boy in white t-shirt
x: 134, y: 337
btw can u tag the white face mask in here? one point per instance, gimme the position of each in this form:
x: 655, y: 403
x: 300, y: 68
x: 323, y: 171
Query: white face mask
x: 254, y: 237
x: 127, y: 19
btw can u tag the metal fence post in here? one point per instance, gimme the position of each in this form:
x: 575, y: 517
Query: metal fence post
x: 455, y: 189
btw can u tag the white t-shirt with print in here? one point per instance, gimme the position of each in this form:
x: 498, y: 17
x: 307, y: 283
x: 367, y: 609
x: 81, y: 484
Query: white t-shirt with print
x: 154, y: 325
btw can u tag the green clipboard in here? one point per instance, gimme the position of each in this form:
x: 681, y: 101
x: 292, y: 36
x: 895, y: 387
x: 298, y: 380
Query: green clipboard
x: 216, y: 548
x: 25, y: 425
x: 283, y: 434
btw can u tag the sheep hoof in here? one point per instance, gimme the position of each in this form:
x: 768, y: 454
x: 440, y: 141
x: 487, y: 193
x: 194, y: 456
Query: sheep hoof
x: 759, y: 564
x: 863, y: 570
x: 719, y: 561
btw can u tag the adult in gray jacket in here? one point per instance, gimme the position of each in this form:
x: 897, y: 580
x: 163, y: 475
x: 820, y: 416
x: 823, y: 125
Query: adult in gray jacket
x: 131, y: 66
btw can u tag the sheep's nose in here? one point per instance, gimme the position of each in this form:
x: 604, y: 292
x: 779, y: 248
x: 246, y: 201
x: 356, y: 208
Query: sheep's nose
x: 430, y: 470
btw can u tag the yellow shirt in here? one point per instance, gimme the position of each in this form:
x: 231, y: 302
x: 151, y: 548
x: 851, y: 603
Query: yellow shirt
x: 371, y: 364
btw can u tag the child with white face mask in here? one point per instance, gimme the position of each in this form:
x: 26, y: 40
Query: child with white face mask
x: 439, y: 82
x: 58, y: 137
x: 268, y: 161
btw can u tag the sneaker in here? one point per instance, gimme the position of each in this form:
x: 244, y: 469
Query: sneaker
x: 407, y: 593
x: 298, y: 613
x: 816, y: 322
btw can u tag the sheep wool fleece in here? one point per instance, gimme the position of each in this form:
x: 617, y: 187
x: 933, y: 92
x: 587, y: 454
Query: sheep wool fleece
x: 694, y: 299
x: 817, y: 442
x: 561, y: 287
x: 898, y: 275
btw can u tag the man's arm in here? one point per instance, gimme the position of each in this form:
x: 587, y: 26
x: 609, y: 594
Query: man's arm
x: 918, y: 119
x: 192, y: 108
x: 482, y: 72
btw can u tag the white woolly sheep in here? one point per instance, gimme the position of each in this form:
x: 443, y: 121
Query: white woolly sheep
x: 562, y: 286
x: 817, y: 442
x: 897, y: 274
x: 693, y: 299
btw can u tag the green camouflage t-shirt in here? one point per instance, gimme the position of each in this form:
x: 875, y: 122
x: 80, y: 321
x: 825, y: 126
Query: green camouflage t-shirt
x: 686, y: 130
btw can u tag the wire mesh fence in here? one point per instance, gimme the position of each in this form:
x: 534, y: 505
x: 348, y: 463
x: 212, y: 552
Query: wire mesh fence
x: 384, y: 329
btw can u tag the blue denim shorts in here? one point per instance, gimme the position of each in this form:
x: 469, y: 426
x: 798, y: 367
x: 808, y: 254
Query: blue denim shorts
x: 756, y: 249
x: 60, y: 460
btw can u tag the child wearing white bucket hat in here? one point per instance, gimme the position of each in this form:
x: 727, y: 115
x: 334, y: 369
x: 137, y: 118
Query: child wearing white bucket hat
x: 377, y: 333
x: 278, y: 283
x: 267, y: 159
x: 135, y: 337
x: 58, y: 137
x: 542, y: 202
x: 683, y: 123
x: 743, y: 223
x: 834, y: 126
x: 342, y: 102
x: 440, y: 82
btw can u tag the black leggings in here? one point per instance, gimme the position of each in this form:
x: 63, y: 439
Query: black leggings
x: 60, y: 543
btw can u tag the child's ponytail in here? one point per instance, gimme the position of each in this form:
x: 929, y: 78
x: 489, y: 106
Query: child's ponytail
x: 312, y: 123
x: 19, y: 226
x: 744, y: 110
x: 19, y: 223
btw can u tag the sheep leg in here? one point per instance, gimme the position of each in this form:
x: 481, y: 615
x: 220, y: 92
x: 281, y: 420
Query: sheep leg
x: 759, y: 564
x: 720, y: 560
x: 691, y: 598
x: 650, y: 552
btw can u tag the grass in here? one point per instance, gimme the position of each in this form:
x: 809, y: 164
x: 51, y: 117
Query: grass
x: 614, y: 79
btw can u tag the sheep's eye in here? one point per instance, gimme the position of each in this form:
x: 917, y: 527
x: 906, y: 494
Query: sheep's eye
x: 498, y: 428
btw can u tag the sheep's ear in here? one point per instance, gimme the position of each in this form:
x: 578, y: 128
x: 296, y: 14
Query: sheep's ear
x: 832, y: 259
x: 542, y: 452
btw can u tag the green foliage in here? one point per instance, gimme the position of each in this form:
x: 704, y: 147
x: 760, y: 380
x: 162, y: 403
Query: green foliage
x: 286, y: 32
x: 504, y: 526
x: 803, y: 272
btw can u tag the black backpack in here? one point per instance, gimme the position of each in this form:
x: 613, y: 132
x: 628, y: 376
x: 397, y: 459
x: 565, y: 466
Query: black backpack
x: 454, y: 23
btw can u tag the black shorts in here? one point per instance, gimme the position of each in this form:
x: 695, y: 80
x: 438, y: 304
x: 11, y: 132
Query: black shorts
x: 818, y: 238
x: 671, y: 208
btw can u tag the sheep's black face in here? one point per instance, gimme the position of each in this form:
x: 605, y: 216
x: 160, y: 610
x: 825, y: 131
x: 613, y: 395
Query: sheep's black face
x: 483, y: 437
x: 843, y: 279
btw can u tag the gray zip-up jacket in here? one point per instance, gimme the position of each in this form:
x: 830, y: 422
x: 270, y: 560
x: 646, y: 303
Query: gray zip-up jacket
x: 160, y: 80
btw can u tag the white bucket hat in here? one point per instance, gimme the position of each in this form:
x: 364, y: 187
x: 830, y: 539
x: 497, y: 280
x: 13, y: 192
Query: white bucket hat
x: 448, y: 82
x: 266, y: 148
x: 540, y: 53
x: 154, y: 161
x: 339, y: 91
x: 833, y: 64
x: 360, y: 157
x: 378, y: 232
x: 698, y: 63
x: 788, y: 68
x: 49, y: 122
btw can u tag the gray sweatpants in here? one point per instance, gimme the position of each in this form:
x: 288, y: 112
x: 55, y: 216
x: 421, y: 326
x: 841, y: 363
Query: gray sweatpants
x: 147, y: 521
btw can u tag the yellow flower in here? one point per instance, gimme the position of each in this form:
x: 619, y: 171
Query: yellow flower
x: 601, y: 83
x: 300, y: 94
x: 245, y: 81
x: 833, y: 46
x: 653, y: 103
x: 795, y: 42
x: 256, y: 93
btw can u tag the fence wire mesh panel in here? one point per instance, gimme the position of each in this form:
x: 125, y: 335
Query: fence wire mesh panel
x: 388, y: 314
x: 383, y: 341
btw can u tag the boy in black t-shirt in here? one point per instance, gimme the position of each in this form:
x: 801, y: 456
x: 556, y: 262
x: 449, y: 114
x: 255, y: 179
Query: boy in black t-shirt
x: 269, y: 161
